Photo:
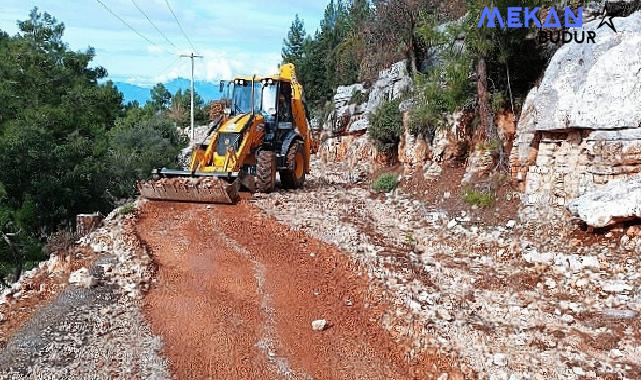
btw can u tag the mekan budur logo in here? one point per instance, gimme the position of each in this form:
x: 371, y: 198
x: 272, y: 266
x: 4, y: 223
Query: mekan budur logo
x: 555, y: 23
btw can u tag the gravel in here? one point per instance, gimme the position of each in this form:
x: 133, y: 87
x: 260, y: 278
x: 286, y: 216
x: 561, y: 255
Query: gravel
x: 533, y: 294
x: 93, y: 329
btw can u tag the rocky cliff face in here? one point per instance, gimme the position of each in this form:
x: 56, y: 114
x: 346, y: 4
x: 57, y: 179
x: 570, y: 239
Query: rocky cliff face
x: 344, y: 128
x: 350, y: 112
x: 581, y: 128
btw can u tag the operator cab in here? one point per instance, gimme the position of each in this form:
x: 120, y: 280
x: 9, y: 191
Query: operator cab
x: 270, y: 98
x: 276, y: 109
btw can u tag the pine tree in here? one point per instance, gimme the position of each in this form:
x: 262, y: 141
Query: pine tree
x: 293, y: 45
x: 160, y: 97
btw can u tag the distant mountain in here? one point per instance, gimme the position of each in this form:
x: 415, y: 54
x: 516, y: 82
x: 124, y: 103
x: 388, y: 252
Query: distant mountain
x: 207, y: 90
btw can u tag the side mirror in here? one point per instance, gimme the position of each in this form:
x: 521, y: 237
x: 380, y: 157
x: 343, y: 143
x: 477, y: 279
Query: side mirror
x: 222, y: 86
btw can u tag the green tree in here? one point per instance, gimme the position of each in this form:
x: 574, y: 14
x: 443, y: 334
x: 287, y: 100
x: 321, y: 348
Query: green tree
x: 496, y: 53
x: 332, y: 55
x: 58, y: 142
x: 137, y: 144
x: 180, y: 109
x: 392, y: 29
x: 160, y: 97
x: 293, y: 45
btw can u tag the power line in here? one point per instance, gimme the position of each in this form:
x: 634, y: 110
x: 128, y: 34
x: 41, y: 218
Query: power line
x: 128, y: 25
x: 179, y: 25
x: 152, y: 24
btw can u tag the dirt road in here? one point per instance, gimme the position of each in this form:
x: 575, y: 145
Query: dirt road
x: 236, y: 293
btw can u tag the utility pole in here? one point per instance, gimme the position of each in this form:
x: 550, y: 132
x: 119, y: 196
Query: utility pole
x: 192, y: 56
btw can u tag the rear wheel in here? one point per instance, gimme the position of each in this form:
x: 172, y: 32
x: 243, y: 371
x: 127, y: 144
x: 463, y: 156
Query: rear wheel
x: 265, y: 172
x: 294, y: 176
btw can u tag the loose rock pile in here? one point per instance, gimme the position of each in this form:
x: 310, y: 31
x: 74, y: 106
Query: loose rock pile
x: 511, y: 302
x: 93, y: 329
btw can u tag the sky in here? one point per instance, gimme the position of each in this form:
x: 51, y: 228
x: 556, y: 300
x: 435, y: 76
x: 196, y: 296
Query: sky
x: 235, y: 37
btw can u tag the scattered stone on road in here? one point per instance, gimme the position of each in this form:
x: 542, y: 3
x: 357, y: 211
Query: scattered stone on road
x: 249, y: 291
x: 319, y: 325
x: 82, y: 278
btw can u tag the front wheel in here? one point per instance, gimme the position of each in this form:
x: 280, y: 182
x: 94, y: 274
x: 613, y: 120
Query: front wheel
x: 294, y: 176
x: 265, y: 172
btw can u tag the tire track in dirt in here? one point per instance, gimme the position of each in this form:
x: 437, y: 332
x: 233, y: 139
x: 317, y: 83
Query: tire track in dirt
x: 204, y: 304
x: 268, y: 342
x: 236, y: 293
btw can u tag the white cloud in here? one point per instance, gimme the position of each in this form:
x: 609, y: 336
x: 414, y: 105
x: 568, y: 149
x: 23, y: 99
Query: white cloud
x: 173, y: 73
x: 155, y: 49
x: 218, y: 68
x: 221, y: 64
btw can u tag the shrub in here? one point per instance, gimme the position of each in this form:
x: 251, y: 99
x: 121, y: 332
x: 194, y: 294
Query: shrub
x: 386, y: 126
x: 386, y: 182
x: 446, y: 86
x: 126, y: 209
x: 498, y: 101
x: 489, y: 146
x: 478, y: 198
x: 358, y: 97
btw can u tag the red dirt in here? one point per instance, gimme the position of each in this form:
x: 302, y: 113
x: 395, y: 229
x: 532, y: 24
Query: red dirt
x: 230, y: 277
x: 504, y: 208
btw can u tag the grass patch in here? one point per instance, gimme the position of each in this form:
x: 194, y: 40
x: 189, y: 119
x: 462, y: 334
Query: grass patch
x: 385, y: 183
x: 478, y: 197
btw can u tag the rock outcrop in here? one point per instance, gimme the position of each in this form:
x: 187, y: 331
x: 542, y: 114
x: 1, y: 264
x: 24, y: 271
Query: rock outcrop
x: 344, y: 139
x: 353, y: 104
x: 581, y: 128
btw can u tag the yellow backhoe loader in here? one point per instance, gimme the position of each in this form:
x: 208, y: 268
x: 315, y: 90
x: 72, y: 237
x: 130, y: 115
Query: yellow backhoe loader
x: 265, y: 130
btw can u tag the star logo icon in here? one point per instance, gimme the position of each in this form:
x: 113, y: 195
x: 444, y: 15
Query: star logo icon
x: 609, y: 21
x: 611, y: 10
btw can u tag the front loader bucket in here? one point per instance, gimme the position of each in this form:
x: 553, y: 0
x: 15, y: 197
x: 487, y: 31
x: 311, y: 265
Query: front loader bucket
x: 200, y: 189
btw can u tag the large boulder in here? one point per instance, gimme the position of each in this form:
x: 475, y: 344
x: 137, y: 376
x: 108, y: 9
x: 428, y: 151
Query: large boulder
x: 591, y: 85
x: 581, y: 127
x: 354, y: 118
x: 616, y: 202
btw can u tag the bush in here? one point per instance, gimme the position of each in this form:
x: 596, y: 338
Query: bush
x: 358, y: 97
x: 489, y: 146
x: 126, y: 209
x: 478, y: 198
x: 386, y: 182
x: 386, y: 126
x: 134, y: 150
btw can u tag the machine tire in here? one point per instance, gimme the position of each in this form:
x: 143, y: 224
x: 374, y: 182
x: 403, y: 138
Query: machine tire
x: 294, y: 176
x: 265, y: 171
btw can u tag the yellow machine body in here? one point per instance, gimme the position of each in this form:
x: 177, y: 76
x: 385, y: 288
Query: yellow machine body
x: 248, y: 146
